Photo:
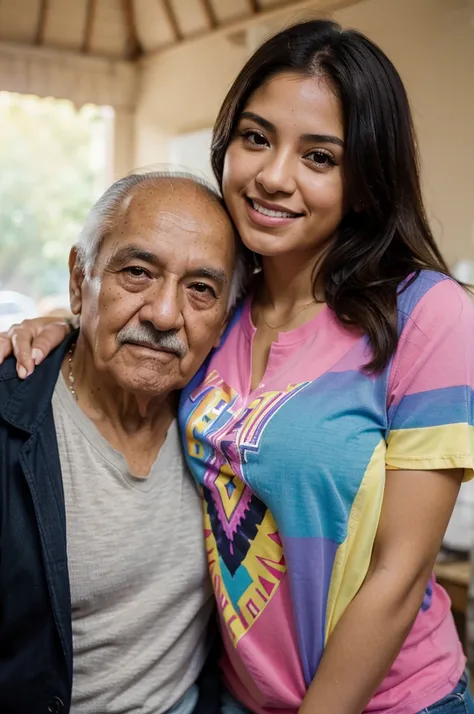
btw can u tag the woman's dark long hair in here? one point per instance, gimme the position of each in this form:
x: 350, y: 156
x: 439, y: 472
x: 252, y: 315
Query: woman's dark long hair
x: 388, y: 237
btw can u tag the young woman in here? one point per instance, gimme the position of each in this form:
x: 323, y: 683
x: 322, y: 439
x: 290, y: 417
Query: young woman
x: 332, y: 428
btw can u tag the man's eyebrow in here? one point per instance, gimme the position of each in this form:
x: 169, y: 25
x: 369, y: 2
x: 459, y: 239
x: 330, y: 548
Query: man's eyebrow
x: 310, y: 138
x: 135, y: 252
x: 215, y: 274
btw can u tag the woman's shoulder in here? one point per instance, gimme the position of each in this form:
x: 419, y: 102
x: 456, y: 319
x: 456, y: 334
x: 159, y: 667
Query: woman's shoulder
x: 432, y: 298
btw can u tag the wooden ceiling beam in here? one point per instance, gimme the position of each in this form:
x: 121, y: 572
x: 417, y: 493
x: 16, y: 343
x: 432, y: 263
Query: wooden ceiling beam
x: 173, y: 20
x: 210, y: 14
x: 91, y: 8
x: 270, y: 14
x: 134, y: 48
x: 42, y: 20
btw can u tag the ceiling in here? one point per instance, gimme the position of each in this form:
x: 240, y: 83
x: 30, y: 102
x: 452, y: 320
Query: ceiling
x: 122, y: 29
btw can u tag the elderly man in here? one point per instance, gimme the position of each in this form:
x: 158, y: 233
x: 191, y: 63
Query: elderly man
x: 104, y: 600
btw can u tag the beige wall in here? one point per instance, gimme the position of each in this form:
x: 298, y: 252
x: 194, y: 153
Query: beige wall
x: 432, y: 44
x: 184, y: 87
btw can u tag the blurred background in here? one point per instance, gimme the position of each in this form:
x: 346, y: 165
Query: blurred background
x: 93, y: 89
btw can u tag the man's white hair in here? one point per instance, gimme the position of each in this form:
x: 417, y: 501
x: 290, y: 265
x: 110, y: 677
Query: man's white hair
x: 104, y: 215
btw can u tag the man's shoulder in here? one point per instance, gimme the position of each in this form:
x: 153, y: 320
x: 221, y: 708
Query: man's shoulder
x: 9, y: 384
x: 24, y: 401
x: 9, y: 378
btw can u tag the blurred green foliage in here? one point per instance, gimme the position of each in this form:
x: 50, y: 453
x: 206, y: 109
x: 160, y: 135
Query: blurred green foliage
x: 52, y: 169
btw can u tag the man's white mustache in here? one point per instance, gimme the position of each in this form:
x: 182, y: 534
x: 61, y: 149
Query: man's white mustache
x: 145, y: 334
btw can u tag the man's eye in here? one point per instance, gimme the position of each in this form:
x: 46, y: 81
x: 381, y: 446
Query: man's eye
x: 203, y: 288
x: 134, y: 271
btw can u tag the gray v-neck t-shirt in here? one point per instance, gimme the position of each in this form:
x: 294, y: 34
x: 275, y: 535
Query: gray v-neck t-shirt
x: 140, y: 594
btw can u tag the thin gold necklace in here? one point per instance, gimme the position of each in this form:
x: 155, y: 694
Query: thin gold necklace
x: 72, y: 388
x: 277, y: 327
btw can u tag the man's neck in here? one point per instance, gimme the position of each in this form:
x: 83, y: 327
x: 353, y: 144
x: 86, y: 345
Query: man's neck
x: 135, y: 426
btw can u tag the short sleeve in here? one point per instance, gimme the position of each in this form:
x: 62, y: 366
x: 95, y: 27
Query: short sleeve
x: 430, y: 387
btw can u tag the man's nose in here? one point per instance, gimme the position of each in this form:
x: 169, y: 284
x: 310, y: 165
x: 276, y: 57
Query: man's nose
x: 163, y: 307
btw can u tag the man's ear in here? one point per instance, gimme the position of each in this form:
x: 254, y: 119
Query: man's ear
x: 76, y: 278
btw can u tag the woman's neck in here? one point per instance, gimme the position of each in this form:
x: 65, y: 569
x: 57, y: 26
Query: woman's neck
x: 289, y: 281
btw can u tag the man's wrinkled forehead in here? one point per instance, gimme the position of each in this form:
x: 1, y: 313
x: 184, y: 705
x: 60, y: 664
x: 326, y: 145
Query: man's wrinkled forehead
x: 180, y: 225
x: 180, y: 204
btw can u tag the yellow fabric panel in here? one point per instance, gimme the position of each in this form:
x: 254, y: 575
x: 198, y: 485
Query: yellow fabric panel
x: 432, y: 448
x: 450, y: 446
x: 353, y: 555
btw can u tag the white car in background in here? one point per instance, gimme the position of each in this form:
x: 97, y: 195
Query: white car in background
x: 15, y: 307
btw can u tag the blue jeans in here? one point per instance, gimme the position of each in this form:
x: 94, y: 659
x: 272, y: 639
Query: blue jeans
x: 460, y: 701
x: 187, y: 702
x: 229, y: 705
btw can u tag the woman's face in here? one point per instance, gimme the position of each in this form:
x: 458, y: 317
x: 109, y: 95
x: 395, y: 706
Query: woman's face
x: 283, y: 177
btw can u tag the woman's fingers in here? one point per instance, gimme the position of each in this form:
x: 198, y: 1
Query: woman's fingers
x: 31, y: 341
x: 5, y: 346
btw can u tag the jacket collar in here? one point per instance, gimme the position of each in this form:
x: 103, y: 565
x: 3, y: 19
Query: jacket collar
x: 29, y: 400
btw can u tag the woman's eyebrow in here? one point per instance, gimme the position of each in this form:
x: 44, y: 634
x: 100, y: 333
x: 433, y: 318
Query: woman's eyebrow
x: 310, y: 138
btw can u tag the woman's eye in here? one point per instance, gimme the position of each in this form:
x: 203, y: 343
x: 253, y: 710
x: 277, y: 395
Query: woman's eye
x: 254, y: 138
x: 321, y: 158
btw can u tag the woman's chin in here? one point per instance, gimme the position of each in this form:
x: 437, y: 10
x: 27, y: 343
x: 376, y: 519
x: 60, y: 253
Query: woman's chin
x: 266, y: 245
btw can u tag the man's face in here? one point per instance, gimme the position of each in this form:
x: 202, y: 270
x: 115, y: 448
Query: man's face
x: 156, y: 301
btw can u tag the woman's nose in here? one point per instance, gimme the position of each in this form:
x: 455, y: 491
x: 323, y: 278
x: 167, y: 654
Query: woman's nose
x: 277, y: 174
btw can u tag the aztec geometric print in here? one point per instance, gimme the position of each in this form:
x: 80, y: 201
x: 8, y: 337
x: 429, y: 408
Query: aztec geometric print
x: 245, y: 553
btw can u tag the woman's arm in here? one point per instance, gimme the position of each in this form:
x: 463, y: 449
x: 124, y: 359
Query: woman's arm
x: 32, y: 341
x: 416, y: 509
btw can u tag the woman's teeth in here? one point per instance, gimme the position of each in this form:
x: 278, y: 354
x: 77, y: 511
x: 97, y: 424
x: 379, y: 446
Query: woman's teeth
x: 268, y: 212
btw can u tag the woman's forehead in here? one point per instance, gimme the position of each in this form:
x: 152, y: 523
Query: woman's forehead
x: 308, y: 103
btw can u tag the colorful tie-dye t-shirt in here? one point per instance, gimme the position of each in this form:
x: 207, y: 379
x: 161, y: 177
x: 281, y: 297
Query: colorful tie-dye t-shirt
x: 292, y: 477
